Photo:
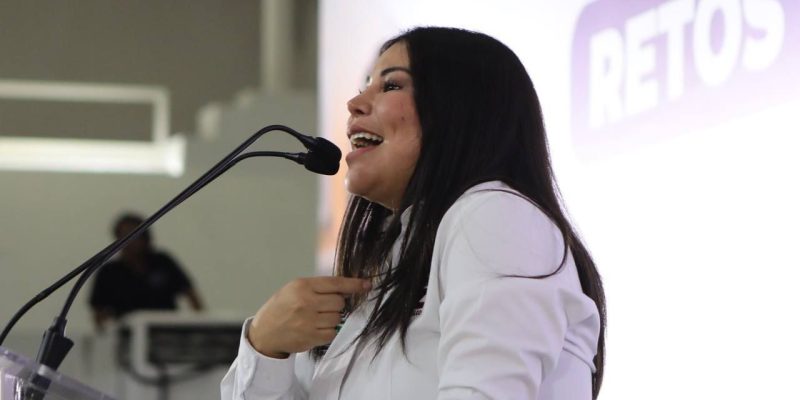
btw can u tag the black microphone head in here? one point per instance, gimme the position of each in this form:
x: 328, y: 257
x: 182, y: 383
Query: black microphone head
x: 325, y: 149
x: 321, y: 146
x: 322, y: 163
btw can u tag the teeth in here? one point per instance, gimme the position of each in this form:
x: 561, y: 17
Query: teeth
x: 358, y: 139
x: 367, y: 136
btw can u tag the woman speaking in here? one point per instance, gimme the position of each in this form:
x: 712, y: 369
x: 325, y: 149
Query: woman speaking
x: 458, y: 275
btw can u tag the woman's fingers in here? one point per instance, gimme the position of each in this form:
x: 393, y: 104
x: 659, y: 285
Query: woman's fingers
x: 328, y: 320
x: 325, y: 336
x: 302, y: 314
x: 339, y: 284
x: 329, y: 302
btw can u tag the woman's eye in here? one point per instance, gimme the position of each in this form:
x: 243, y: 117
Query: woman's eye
x: 389, y: 85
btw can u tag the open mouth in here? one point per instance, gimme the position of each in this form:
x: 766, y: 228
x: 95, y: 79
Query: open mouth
x: 363, y: 139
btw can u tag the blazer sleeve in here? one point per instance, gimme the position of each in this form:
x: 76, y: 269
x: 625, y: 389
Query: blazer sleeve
x: 253, y: 376
x: 502, y: 331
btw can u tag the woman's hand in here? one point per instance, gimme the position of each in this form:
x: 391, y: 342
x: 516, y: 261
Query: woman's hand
x: 301, y: 315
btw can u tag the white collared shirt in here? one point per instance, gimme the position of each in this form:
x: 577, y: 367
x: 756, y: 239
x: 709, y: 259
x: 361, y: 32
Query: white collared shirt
x: 484, y: 331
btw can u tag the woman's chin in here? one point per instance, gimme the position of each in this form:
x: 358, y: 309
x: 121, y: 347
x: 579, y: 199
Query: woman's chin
x: 354, y: 183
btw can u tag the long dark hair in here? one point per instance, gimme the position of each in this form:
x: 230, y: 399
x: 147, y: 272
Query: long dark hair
x: 481, y: 121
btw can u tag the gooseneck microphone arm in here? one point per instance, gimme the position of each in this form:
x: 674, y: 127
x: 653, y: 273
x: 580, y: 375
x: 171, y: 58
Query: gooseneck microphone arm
x: 322, y: 157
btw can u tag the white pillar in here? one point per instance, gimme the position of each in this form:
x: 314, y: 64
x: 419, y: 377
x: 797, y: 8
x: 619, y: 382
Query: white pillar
x: 277, y: 57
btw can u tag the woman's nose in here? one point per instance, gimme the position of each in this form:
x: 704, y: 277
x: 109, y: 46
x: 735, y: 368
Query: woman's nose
x: 358, y: 105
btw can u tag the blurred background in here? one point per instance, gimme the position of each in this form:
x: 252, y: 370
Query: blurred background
x: 112, y: 106
x: 672, y: 126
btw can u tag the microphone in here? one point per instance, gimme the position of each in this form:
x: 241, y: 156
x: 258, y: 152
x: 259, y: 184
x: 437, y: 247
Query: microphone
x: 323, y: 157
x: 321, y: 148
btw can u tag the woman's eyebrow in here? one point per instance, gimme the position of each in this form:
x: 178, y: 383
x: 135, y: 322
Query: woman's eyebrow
x: 387, y: 71
x: 392, y: 69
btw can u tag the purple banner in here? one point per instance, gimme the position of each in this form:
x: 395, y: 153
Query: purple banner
x: 646, y: 69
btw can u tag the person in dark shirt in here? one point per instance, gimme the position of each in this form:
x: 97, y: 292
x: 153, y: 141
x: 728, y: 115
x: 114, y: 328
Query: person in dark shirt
x: 141, y: 278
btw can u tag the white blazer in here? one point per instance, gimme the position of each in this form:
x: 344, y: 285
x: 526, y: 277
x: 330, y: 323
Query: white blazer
x: 480, y: 333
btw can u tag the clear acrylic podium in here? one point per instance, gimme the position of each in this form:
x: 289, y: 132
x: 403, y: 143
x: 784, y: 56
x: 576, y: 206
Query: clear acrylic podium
x: 23, y: 379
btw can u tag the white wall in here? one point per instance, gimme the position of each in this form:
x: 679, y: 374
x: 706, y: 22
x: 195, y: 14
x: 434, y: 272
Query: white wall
x: 688, y: 203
